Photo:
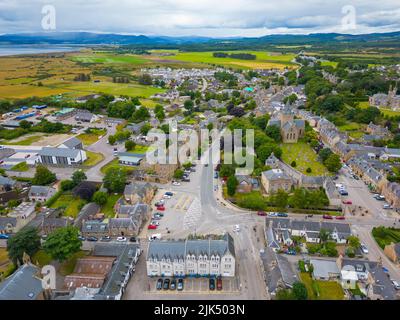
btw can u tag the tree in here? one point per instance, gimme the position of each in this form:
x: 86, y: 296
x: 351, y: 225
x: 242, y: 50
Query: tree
x: 145, y: 129
x: 324, y: 235
x: 232, y: 184
x: 78, y: 176
x: 63, y: 243
x: 25, y: 124
x: 284, y: 294
x: 115, y: 180
x: 178, y: 174
x: 130, y: 145
x: 27, y: 240
x: 100, y: 198
x: 333, y: 163
x: 299, y: 291
x: 280, y: 199
x: 43, y: 176
x: 67, y: 185
x: 324, y: 154
x: 354, y: 242
x: 293, y: 164
x: 308, y: 170
x: 112, y: 140
x: 274, y: 132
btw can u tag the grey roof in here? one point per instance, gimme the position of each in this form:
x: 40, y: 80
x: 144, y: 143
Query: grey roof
x: 397, y: 250
x: 136, y: 188
x: 59, y: 152
x: 271, y: 239
x: 280, y: 223
x: 324, y: 268
x: 5, y: 221
x: 95, y: 226
x: 342, y: 228
x: 22, y: 284
x: 84, y: 115
x: 305, y: 225
x: 40, y: 190
x: 6, y: 181
x: 88, y: 210
x: 275, y: 174
x: 72, y: 143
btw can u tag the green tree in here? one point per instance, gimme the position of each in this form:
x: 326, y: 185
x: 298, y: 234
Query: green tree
x: 274, y: 132
x: 130, y: 145
x: 333, y: 163
x: 115, y: 180
x: 354, y: 242
x: 232, y: 184
x: 145, y: 129
x: 324, y: 235
x: 43, y: 176
x: 112, y: 140
x: 178, y: 174
x: 67, y: 185
x: 100, y: 198
x: 63, y: 243
x: 78, y: 177
x: 293, y: 164
x: 26, y: 240
x: 324, y: 154
x: 25, y: 124
x: 280, y: 199
x: 299, y: 291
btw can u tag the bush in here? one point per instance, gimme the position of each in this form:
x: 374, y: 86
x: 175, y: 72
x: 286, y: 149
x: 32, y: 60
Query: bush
x: 67, y: 185
x: 302, y: 266
x: 53, y: 199
x: 293, y: 164
x: 308, y: 170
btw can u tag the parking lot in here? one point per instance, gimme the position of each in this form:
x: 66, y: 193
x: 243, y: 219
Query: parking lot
x: 197, y: 285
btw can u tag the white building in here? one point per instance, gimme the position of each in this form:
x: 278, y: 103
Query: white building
x: 192, y: 258
x: 62, y: 156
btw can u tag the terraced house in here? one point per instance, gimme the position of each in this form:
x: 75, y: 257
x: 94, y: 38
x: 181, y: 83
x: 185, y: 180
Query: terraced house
x: 192, y: 258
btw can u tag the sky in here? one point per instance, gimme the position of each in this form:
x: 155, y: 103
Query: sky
x: 210, y: 18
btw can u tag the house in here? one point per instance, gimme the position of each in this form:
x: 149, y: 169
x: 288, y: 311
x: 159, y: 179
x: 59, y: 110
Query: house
x: 23, y: 284
x: 8, y: 225
x: 41, y: 193
x: 377, y: 130
x: 291, y: 129
x: 136, y: 127
x: 85, y: 116
x: 390, y: 100
x: 391, y: 191
x: 72, y: 143
x: 338, y: 231
x: 7, y: 184
x: 274, y: 180
x: 325, y: 270
x: 86, y: 213
x: 246, y: 183
x: 192, y: 258
x: 61, y: 156
x: 95, y: 228
x: 25, y: 211
x: 278, y: 272
x: 392, y: 251
x: 308, y: 229
x: 130, y: 159
x: 135, y: 193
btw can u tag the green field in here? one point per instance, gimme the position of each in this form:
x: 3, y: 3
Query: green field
x: 71, y: 204
x: 93, y: 158
x: 23, y: 142
x: 68, y: 266
x: 304, y: 156
x: 109, y: 58
x: 322, y: 290
x: 90, y: 138
x: 386, y: 112
x: 264, y: 60
x: 20, y: 167
x: 108, y: 208
x: 329, y: 63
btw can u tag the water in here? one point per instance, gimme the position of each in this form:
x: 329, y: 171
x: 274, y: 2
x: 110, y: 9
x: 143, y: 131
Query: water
x: 8, y: 50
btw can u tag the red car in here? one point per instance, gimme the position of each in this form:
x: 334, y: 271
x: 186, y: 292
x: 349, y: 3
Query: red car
x: 219, y: 283
x: 325, y: 216
x: 261, y: 213
x: 347, y: 202
x: 152, y: 227
x: 340, y: 218
x: 161, y: 208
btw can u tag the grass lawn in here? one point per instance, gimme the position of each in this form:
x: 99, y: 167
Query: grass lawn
x: 385, y: 236
x: 23, y: 142
x: 305, y: 157
x: 93, y: 158
x: 139, y: 149
x: 108, y: 208
x: 115, y: 164
x: 322, y: 290
x: 386, y: 112
x: 68, y: 266
x: 109, y: 58
x: 90, y: 138
x: 42, y: 258
x: 20, y: 167
x: 71, y: 204
x: 329, y: 63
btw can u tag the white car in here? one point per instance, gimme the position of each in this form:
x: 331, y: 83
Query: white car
x: 176, y: 183
x: 155, y: 223
x: 364, y: 248
x: 121, y: 239
x: 396, y: 284
x: 387, y: 206
x: 236, y: 228
x: 272, y: 214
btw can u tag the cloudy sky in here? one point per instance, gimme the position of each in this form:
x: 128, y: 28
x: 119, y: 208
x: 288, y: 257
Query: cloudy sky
x: 214, y: 18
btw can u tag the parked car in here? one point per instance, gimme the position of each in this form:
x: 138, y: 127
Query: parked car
x: 396, y: 285
x: 272, y: 214
x: 160, y: 214
x: 364, y: 248
x: 159, y: 284
x: 166, y: 284
x: 156, y: 217
x: 92, y: 239
x: 326, y: 216
x: 282, y: 215
x: 161, y: 208
x: 310, y: 215
x: 166, y: 196
x: 340, y: 218
x: 82, y: 238
x: 219, y: 283
x: 159, y: 203
x: 387, y: 206
x: 236, y: 228
x: 121, y: 239
x: 152, y: 227
x: 173, y: 284
x: 215, y: 175
x: 176, y: 183
x: 261, y: 213
x: 155, y: 223
x: 169, y: 193
x: 4, y: 236
x: 105, y: 239
x: 347, y: 202
x: 132, y: 239
x: 180, y: 285
x: 212, y: 284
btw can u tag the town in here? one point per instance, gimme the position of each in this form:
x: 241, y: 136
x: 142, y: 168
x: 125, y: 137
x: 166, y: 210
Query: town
x: 316, y: 218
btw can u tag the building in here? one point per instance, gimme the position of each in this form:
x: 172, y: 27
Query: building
x: 274, y: 180
x: 291, y: 129
x: 392, y: 251
x: 61, y: 156
x: 325, y: 270
x: 192, y: 258
x: 7, y: 184
x: 41, y: 193
x: 130, y: 159
x: 390, y: 100
x: 23, y: 284
x: 85, y: 116
x: 72, y: 143
x: 135, y: 193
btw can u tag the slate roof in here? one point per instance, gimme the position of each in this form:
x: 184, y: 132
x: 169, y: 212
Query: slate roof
x: 40, y: 190
x: 324, y: 268
x: 22, y: 284
x: 275, y: 174
x: 72, y: 143
x: 7, y: 181
x: 59, y: 152
x: 5, y: 221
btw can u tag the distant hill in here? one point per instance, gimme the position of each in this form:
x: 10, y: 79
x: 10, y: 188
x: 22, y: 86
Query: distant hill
x: 87, y: 38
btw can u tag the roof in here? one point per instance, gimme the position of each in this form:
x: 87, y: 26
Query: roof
x: 324, y: 268
x: 275, y: 174
x: 40, y: 190
x: 59, y: 152
x: 72, y: 143
x: 6, y: 221
x: 22, y: 284
x: 7, y: 181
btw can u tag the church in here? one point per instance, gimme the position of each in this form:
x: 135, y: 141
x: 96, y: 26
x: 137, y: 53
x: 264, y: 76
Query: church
x: 291, y: 129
